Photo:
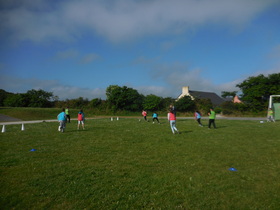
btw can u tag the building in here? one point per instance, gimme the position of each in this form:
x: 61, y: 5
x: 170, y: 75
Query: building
x: 215, y: 99
x: 236, y: 100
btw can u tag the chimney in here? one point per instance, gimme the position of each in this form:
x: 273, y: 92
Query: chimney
x: 185, y: 91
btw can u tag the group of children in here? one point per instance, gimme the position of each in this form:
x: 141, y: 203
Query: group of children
x: 155, y: 116
x: 171, y: 116
x: 64, y: 115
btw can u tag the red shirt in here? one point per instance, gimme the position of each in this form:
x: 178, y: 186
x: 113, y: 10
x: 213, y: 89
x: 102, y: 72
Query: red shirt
x: 171, y: 116
x: 144, y: 113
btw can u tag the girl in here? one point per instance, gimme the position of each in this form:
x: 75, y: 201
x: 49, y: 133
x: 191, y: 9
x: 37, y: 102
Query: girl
x: 172, y: 119
x: 81, y: 119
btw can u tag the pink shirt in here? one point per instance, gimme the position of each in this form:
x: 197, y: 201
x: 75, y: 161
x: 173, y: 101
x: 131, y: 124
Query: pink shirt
x: 144, y: 113
x: 171, y: 116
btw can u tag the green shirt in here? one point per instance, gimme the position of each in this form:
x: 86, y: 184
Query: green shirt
x: 212, y: 115
x: 66, y: 111
x: 270, y: 113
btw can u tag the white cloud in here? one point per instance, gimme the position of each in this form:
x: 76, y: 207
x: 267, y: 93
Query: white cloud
x: 22, y: 85
x: 120, y: 20
x: 70, y: 92
x: 174, y: 80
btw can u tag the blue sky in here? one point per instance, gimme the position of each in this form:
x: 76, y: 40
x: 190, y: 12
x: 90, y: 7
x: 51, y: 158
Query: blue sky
x: 77, y: 48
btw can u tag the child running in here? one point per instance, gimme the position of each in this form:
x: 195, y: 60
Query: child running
x: 197, y: 116
x: 155, y: 117
x: 81, y: 119
x: 144, y: 114
x: 172, y: 120
x: 212, y: 117
x: 61, y: 117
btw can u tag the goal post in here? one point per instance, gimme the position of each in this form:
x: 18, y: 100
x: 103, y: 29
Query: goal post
x: 275, y: 107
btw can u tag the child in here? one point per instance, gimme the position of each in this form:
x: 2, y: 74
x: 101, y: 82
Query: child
x: 81, y: 119
x: 197, y: 116
x: 67, y: 114
x: 144, y: 113
x: 172, y: 119
x: 61, y: 117
x: 155, y: 117
x: 270, y: 115
x: 212, y: 116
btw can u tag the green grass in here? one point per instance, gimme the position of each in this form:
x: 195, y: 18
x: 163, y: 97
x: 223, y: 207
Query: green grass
x: 128, y: 164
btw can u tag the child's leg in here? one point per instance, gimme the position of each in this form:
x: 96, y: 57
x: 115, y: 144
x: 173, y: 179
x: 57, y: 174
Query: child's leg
x: 174, y: 126
x: 61, y: 125
x: 209, y: 123
x: 171, y: 125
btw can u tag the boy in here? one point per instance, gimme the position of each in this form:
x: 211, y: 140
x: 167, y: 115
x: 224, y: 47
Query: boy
x: 155, y: 117
x: 270, y: 115
x: 67, y: 114
x: 61, y: 117
x: 212, y: 116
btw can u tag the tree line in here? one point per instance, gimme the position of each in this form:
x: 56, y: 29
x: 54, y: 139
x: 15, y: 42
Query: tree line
x: 255, y: 95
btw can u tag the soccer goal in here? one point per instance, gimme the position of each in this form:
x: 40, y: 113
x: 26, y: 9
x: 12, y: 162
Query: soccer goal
x: 275, y: 107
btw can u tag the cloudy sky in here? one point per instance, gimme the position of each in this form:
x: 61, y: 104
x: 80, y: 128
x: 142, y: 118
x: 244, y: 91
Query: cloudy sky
x: 77, y: 48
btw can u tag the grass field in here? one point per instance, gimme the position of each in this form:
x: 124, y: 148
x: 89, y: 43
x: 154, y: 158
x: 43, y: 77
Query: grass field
x: 128, y: 164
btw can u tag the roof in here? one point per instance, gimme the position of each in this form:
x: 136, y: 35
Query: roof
x: 215, y: 99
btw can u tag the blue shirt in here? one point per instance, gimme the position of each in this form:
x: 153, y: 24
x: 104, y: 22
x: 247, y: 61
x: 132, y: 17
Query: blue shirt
x: 61, y: 116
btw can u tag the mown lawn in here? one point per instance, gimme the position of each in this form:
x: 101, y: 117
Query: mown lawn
x: 127, y: 164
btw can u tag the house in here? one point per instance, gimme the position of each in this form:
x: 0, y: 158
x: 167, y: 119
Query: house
x: 236, y: 100
x: 215, y: 99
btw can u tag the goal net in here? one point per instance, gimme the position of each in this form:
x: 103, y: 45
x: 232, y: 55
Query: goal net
x: 275, y: 107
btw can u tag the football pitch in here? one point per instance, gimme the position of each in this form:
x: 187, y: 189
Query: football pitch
x: 132, y: 164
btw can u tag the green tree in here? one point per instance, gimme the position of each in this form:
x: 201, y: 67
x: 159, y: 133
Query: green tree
x: 123, y: 98
x: 95, y: 102
x: 203, y: 105
x: 14, y: 100
x: 256, y: 90
x: 39, y: 98
x: 185, y: 104
x: 3, y: 96
x: 226, y: 94
x: 152, y: 102
x: 80, y: 102
x: 166, y: 102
